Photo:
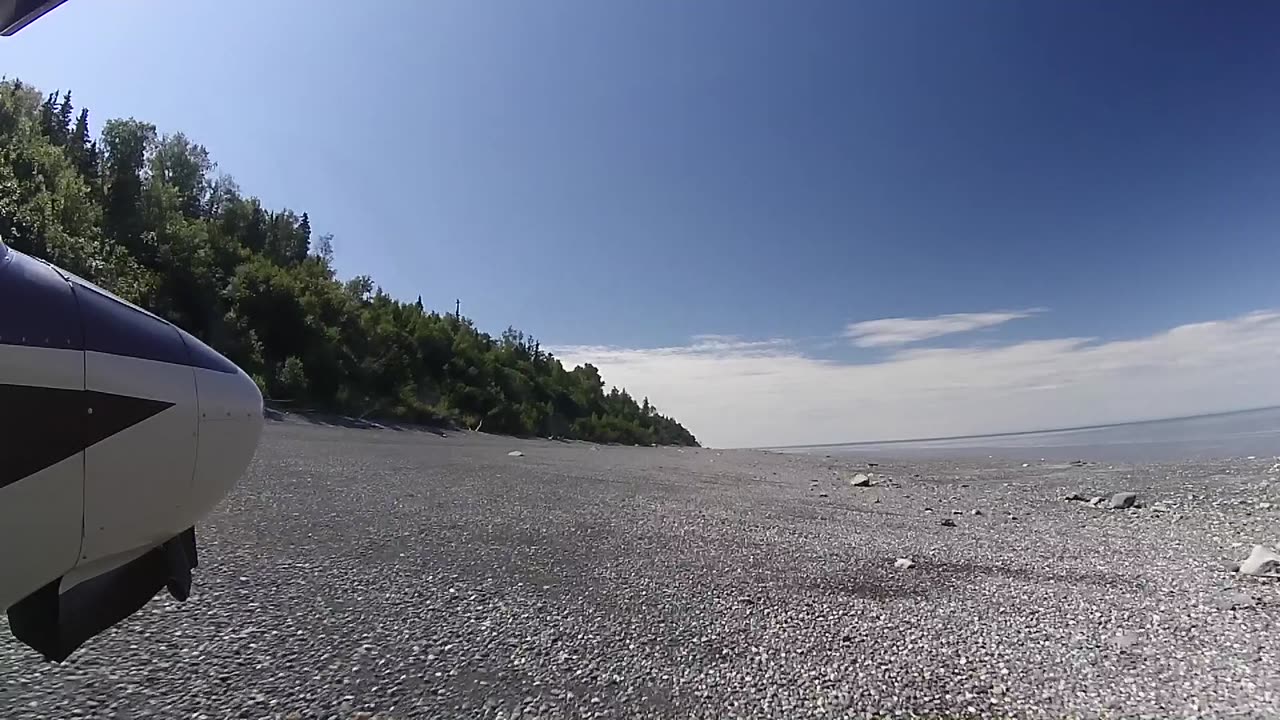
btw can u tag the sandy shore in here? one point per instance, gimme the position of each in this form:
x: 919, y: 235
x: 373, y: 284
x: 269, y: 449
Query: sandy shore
x: 412, y: 575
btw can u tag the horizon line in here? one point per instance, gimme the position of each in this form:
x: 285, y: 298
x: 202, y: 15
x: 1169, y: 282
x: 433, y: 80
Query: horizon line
x: 1015, y: 433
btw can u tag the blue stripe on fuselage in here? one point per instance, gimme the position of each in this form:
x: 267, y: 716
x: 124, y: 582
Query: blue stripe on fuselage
x: 42, y: 305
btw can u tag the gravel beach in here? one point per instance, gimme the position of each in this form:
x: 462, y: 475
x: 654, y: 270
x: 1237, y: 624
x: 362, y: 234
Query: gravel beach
x: 399, y: 574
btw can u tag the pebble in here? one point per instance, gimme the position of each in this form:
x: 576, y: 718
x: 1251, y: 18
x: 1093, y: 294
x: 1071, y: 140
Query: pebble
x: 904, y: 564
x: 1122, y: 500
x: 1126, y: 640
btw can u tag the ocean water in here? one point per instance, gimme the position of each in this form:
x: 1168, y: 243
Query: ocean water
x: 1204, y: 437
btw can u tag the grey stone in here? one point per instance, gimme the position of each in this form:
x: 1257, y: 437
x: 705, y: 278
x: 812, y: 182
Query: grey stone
x: 1262, y: 562
x: 516, y: 453
x: 947, y: 522
x: 860, y: 480
x: 1122, y: 500
x: 904, y: 564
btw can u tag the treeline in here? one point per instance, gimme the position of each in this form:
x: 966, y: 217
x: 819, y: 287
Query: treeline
x: 147, y: 216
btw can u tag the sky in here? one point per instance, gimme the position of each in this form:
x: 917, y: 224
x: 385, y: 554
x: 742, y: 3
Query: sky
x: 785, y: 223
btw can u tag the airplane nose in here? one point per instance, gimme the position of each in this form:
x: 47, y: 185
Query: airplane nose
x: 215, y: 422
x: 230, y: 424
x: 123, y: 432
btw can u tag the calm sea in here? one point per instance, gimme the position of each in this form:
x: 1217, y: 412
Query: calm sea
x: 1205, y: 437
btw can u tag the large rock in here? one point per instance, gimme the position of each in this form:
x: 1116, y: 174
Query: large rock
x: 1122, y: 500
x: 1263, y: 562
x: 860, y: 480
x: 904, y: 564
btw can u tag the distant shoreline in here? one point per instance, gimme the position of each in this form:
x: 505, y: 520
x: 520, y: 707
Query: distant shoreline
x: 1019, y: 433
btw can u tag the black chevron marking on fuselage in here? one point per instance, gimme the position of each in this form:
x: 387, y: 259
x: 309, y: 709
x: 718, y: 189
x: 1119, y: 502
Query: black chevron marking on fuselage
x: 41, y: 426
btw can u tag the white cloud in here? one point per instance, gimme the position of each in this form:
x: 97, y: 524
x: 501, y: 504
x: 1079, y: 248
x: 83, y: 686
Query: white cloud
x: 733, y: 393
x: 889, y: 332
x: 732, y: 342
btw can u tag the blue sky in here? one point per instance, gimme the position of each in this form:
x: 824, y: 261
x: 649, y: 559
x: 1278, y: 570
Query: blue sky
x: 632, y: 176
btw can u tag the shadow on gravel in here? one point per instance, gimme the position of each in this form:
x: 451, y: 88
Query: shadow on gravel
x: 343, y: 421
x: 928, y: 577
x: 931, y: 577
x: 847, y: 588
x: 969, y: 571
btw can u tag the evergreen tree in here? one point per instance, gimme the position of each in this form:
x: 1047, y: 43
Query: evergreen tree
x: 127, y: 143
x: 63, y: 126
x: 80, y: 148
x: 49, y: 118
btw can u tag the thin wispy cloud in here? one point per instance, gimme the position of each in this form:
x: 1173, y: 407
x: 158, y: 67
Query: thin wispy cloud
x: 892, y: 332
x: 735, y: 393
x: 733, y: 342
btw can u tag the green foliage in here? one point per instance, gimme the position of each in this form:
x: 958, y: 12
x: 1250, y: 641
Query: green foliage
x: 144, y: 215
